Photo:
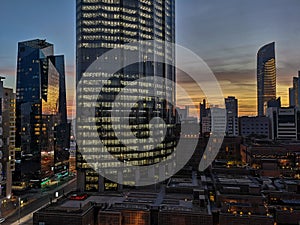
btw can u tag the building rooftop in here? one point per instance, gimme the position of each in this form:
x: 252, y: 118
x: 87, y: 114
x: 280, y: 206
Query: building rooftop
x: 36, y: 43
x: 95, y: 199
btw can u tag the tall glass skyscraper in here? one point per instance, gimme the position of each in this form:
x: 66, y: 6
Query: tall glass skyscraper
x: 266, y: 77
x: 103, y: 25
x: 41, y: 116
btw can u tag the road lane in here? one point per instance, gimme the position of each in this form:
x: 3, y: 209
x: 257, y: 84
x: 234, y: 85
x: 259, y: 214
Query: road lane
x: 27, y: 211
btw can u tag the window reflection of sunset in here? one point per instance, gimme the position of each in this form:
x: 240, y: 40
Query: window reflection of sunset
x: 50, y: 107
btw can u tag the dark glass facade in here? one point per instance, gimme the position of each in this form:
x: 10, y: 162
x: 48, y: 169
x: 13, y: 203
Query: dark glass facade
x: 103, y: 25
x: 40, y: 113
x: 266, y: 77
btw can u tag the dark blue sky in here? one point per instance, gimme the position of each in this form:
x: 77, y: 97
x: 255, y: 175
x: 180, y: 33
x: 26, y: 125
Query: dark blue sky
x: 22, y: 20
x: 226, y: 34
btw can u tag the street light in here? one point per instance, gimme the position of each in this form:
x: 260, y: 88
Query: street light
x: 19, y: 209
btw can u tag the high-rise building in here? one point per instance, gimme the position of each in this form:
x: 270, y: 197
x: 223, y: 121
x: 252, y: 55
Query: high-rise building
x: 294, y: 92
x: 40, y: 114
x: 9, y: 133
x: 232, y: 127
x: 104, y: 25
x: 284, y: 123
x: 7, y: 139
x: 266, y: 77
x: 203, y: 117
x: 271, y: 113
x: 213, y: 121
x: 2, y: 151
x: 292, y: 101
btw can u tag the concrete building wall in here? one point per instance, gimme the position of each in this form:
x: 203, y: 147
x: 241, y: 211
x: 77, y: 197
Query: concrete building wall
x: 254, y: 126
x: 172, y: 218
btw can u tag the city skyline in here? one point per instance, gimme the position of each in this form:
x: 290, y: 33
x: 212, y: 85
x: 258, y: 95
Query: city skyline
x: 150, y: 112
x: 227, y: 41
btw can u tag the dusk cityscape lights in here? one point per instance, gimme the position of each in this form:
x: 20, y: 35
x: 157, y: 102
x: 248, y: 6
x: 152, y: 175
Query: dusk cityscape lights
x: 150, y: 112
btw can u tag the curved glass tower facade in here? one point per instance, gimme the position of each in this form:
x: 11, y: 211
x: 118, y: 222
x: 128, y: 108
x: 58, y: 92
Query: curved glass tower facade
x: 266, y: 77
x: 103, y: 25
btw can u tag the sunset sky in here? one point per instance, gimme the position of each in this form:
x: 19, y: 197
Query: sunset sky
x: 225, y: 34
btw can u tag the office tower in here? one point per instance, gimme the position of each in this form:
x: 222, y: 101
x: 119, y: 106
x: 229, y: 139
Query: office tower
x: 63, y: 128
x: 40, y: 114
x: 272, y: 116
x: 9, y: 133
x: 1, y: 135
x: 7, y: 139
x: 213, y: 121
x: 204, y: 119
x: 218, y: 120
x: 104, y: 25
x: 286, y: 124
x: 266, y: 77
x: 292, y: 101
x: 202, y: 109
x: 232, y: 127
x: 294, y: 92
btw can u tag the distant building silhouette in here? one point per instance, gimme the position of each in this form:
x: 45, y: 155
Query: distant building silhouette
x: 294, y: 92
x: 232, y: 127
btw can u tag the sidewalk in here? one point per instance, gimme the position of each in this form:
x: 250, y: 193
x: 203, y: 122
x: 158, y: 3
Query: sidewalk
x: 9, y: 209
